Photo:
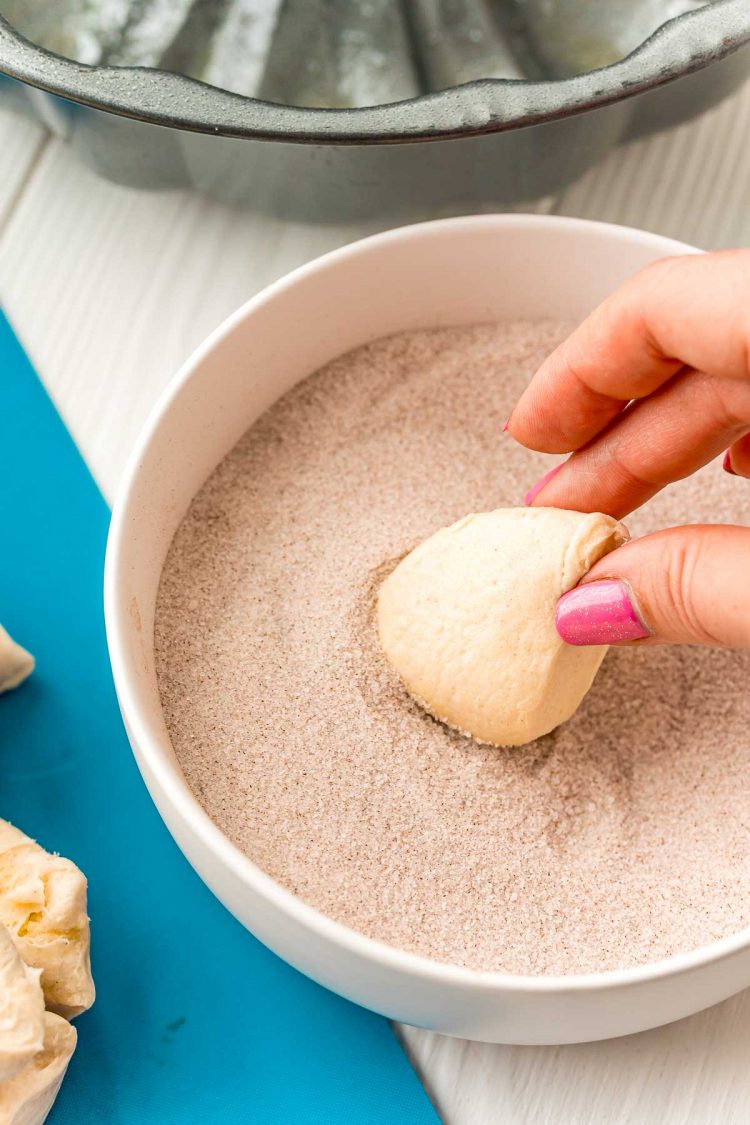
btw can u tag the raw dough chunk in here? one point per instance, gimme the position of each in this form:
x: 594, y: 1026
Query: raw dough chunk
x: 468, y: 620
x: 15, y: 662
x: 21, y: 1011
x: 27, y: 1098
x: 43, y: 906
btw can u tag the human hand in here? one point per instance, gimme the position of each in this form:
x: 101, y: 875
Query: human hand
x: 651, y: 387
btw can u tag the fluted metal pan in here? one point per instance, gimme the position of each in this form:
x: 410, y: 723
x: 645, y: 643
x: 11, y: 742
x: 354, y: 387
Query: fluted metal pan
x: 492, y: 140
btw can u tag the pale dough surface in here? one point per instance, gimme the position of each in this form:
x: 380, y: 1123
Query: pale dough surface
x: 467, y: 620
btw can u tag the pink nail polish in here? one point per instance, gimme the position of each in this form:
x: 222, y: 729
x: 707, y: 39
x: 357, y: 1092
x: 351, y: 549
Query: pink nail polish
x: 537, y: 488
x: 507, y: 423
x: 727, y: 464
x: 599, y: 613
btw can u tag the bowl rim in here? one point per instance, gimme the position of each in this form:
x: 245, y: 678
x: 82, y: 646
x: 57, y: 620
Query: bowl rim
x: 171, y: 782
x: 682, y: 45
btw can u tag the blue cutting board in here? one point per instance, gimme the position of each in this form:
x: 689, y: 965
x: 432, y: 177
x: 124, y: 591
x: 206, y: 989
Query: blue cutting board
x: 195, y: 1020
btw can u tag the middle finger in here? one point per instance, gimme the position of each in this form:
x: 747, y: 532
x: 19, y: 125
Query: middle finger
x: 660, y: 439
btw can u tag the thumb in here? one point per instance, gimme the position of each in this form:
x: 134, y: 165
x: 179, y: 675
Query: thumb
x: 688, y: 585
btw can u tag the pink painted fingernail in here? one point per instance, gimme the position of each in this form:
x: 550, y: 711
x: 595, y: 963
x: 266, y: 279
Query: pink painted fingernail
x: 727, y: 463
x: 507, y: 423
x: 537, y: 488
x: 599, y: 613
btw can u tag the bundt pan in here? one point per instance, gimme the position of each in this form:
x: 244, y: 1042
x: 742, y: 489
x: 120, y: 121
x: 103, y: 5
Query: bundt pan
x: 336, y: 110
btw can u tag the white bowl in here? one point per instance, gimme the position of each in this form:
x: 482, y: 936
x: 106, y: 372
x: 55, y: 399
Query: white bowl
x: 456, y: 271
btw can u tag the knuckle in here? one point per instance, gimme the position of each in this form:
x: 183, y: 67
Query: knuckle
x: 590, y: 407
x: 628, y: 477
x: 744, y: 345
x: 728, y: 401
x: 679, y: 576
x: 656, y: 275
x: 654, y: 272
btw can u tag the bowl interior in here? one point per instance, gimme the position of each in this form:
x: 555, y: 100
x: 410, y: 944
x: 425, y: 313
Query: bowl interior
x: 432, y: 275
x: 438, y: 274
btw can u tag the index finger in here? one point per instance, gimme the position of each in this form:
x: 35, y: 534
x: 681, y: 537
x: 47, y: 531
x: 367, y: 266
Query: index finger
x: 691, y: 311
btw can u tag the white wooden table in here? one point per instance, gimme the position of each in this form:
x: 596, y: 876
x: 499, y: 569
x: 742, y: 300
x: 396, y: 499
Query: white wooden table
x: 110, y: 289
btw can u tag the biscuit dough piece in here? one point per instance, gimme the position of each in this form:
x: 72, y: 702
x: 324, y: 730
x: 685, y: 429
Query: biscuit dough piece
x: 27, y: 1098
x: 468, y: 620
x: 43, y: 907
x: 15, y: 662
x: 21, y: 1011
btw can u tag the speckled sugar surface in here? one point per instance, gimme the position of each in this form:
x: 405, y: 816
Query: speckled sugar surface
x: 622, y: 837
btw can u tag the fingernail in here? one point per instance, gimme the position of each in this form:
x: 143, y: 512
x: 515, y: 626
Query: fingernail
x: 727, y: 463
x: 507, y: 423
x: 599, y: 613
x: 537, y: 488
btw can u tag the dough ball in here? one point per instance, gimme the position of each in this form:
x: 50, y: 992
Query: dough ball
x: 21, y: 1011
x: 28, y: 1097
x: 468, y: 620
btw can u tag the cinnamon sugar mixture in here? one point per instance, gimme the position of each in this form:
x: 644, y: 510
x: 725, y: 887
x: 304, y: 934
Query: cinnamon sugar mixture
x: 622, y: 837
